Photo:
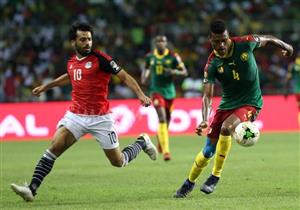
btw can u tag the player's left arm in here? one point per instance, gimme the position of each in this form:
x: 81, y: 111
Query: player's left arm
x: 287, y: 49
x: 180, y: 70
x: 110, y: 66
x: 133, y: 85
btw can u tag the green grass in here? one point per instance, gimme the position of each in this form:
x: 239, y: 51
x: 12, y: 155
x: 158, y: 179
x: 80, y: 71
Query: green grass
x: 265, y: 176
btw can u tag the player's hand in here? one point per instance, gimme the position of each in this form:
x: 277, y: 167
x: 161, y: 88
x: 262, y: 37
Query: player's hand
x: 288, y: 51
x: 38, y: 90
x: 168, y: 71
x: 202, y: 128
x: 145, y: 101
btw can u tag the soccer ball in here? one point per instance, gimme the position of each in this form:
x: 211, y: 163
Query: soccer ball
x: 246, y: 134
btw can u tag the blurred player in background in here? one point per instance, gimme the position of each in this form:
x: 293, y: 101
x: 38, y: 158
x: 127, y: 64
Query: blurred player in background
x: 233, y: 64
x: 161, y: 65
x: 89, y: 72
x: 294, y: 75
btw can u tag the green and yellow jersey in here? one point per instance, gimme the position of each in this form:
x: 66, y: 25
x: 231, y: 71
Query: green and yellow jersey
x: 237, y: 73
x: 295, y: 75
x: 160, y: 81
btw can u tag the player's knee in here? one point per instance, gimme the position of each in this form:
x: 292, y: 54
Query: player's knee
x: 162, y: 120
x: 209, y: 149
x: 117, y: 163
x: 161, y: 117
x: 225, y: 130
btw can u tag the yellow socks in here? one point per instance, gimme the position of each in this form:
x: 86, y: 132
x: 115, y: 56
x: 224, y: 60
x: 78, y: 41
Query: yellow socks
x: 223, y: 148
x: 163, y: 136
x: 198, y: 166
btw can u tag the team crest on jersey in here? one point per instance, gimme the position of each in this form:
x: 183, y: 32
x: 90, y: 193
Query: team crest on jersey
x: 221, y: 69
x: 168, y: 62
x: 88, y: 65
x: 244, y: 56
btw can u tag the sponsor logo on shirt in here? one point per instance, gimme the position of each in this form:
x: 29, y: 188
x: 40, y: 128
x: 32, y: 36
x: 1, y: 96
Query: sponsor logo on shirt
x: 244, y: 56
x: 232, y: 63
x: 88, y: 65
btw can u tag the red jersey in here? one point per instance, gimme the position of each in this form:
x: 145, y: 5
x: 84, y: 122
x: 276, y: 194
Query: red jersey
x: 89, y: 77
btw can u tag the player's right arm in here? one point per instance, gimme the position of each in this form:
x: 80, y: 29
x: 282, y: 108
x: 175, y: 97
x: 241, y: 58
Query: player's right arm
x: 145, y: 71
x: 208, y: 91
x: 60, y: 81
x: 145, y: 75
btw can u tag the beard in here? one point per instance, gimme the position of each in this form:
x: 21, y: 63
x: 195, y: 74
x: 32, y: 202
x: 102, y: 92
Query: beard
x: 83, y: 52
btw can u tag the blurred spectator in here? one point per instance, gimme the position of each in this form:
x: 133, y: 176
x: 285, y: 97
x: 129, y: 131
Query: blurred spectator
x: 192, y: 86
x: 33, y: 47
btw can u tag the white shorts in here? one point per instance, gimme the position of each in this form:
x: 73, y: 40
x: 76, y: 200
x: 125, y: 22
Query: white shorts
x: 99, y: 126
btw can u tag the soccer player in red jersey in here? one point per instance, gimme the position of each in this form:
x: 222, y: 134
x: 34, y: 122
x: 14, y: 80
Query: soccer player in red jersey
x: 89, y: 72
x: 233, y: 64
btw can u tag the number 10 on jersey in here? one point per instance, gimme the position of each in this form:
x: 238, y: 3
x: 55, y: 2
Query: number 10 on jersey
x: 77, y: 73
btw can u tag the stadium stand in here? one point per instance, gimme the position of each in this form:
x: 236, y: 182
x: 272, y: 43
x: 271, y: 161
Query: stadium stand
x: 34, y: 46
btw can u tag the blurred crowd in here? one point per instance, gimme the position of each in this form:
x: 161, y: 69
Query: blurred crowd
x: 34, y: 47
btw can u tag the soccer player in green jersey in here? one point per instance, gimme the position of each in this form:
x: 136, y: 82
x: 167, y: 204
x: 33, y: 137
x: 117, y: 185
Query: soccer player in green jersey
x: 233, y: 64
x: 294, y: 74
x: 160, y: 66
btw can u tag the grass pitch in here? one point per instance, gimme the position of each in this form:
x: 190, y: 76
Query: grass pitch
x: 265, y: 176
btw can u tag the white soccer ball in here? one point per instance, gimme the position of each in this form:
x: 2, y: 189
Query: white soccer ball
x: 246, y: 134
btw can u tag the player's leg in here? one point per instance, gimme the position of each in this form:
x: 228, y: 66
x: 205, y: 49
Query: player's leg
x: 63, y: 139
x: 201, y: 161
x: 224, y: 143
x: 102, y: 128
x: 222, y: 151
x: 168, y: 108
x: 65, y: 136
x: 162, y: 132
x: 120, y: 158
x: 203, y: 156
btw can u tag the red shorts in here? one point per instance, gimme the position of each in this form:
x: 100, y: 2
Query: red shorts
x: 298, y: 96
x: 159, y: 101
x: 244, y: 113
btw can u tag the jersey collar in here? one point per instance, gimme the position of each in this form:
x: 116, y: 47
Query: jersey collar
x: 80, y: 59
x: 166, y: 52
